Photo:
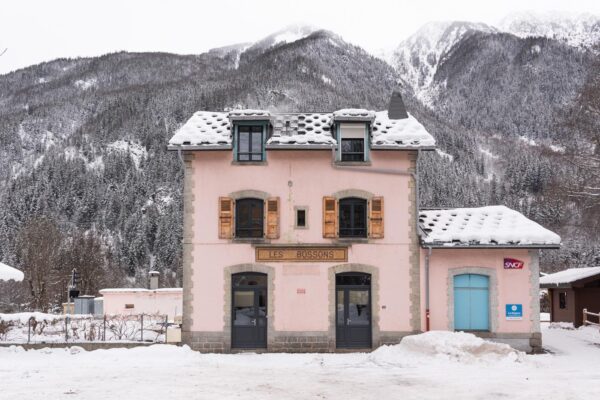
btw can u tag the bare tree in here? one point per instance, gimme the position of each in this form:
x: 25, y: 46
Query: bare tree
x: 84, y: 251
x: 39, y: 245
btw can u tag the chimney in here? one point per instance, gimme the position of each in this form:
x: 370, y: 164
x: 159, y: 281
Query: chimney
x: 396, y: 109
x: 153, y: 279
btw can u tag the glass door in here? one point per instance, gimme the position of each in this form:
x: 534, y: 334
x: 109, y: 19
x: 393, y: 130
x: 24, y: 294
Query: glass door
x: 353, y: 308
x: 249, y: 312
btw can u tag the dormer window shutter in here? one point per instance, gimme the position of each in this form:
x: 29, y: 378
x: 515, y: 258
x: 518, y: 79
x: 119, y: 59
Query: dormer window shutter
x: 272, y: 218
x: 376, y: 218
x: 330, y: 217
x: 225, y: 218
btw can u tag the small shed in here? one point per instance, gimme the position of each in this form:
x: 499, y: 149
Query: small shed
x: 571, y: 291
x: 84, y: 304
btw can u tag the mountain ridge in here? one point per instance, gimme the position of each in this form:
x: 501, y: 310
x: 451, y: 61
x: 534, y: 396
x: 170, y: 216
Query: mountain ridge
x: 83, y: 140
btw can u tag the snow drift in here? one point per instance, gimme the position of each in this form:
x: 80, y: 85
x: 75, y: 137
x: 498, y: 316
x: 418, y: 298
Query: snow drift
x: 461, y: 347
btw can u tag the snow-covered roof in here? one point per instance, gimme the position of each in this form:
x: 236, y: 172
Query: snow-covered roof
x: 353, y: 114
x: 568, y: 276
x: 302, y: 129
x: 140, y: 290
x: 204, y: 128
x: 212, y: 130
x: 406, y: 132
x: 9, y: 273
x: 483, y: 226
x: 249, y: 115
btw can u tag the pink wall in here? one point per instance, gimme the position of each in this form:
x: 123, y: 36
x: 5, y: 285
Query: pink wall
x: 513, y: 286
x: 312, y: 177
x: 161, y: 301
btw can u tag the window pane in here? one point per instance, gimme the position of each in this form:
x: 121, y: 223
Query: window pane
x: 353, y: 150
x: 250, y: 143
x: 256, y: 143
x: 358, y: 307
x: 262, y: 303
x: 353, y: 217
x: 345, y: 216
x: 353, y: 279
x: 249, y: 280
x: 243, y: 307
x: 301, y: 218
x: 249, y: 218
x: 562, y: 300
x: 244, y: 142
x: 340, y: 307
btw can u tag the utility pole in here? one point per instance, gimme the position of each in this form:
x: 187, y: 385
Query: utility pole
x: 71, y: 288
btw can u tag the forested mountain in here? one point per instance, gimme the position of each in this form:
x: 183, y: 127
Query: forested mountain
x: 518, y: 118
x: 83, y: 144
x: 83, y: 141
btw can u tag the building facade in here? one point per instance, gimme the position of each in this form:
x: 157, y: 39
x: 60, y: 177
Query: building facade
x: 302, y: 233
x: 571, y: 292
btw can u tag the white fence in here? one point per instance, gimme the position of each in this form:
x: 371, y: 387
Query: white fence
x: 49, y: 328
x: 587, y: 314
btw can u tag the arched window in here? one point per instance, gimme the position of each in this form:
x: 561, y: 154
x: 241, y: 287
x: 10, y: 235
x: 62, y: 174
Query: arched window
x: 249, y: 218
x: 353, y: 217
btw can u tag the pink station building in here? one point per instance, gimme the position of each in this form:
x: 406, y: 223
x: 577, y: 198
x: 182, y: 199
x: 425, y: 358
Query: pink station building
x: 302, y: 233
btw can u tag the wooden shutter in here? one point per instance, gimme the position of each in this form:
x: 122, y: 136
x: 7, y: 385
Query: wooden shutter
x: 330, y: 217
x: 376, y: 218
x: 273, y: 218
x: 225, y: 218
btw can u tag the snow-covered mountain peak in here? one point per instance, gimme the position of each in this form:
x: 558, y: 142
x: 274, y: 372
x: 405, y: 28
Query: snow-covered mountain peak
x: 574, y: 29
x: 289, y: 34
x: 418, y: 57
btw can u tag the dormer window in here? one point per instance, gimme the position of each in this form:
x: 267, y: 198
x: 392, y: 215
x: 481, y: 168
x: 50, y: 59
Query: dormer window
x: 250, y: 143
x: 352, y: 139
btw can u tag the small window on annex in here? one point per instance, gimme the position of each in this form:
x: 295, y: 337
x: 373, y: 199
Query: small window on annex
x: 250, y: 143
x: 301, y: 217
x: 562, y: 300
x: 353, y: 218
x: 249, y: 219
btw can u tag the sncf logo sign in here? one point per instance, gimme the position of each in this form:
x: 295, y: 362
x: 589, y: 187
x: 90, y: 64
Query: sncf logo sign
x: 512, y: 263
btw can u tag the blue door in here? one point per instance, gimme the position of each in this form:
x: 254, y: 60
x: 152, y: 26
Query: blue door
x: 471, y: 302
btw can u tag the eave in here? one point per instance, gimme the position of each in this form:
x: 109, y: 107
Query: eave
x: 220, y: 147
x: 489, y: 246
x: 397, y: 147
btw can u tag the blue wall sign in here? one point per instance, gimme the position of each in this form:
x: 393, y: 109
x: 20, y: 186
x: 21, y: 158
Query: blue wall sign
x: 514, y: 312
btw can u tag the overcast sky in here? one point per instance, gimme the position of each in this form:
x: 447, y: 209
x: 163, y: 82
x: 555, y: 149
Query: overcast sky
x: 36, y: 31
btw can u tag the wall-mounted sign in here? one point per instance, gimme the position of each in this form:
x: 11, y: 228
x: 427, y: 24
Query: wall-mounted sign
x: 513, y: 263
x: 300, y: 291
x: 514, y: 312
x: 302, y: 254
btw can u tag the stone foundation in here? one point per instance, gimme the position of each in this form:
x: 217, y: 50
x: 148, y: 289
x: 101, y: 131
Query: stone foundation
x: 281, y: 342
x: 206, y: 342
x: 527, y: 342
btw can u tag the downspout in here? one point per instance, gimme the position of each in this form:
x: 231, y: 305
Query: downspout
x: 427, y: 258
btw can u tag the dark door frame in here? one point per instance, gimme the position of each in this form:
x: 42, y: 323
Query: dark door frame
x: 259, y: 344
x: 346, y: 289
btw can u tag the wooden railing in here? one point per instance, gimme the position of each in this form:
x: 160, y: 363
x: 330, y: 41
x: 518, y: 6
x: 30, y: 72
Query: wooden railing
x: 586, y: 314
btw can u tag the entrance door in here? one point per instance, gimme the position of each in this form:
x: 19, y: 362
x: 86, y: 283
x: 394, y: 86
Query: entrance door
x: 353, y: 310
x: 471, y: 302
x: 249, y: 311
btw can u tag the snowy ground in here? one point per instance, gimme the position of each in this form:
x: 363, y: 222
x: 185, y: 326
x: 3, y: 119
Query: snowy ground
x: 438, y: 365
